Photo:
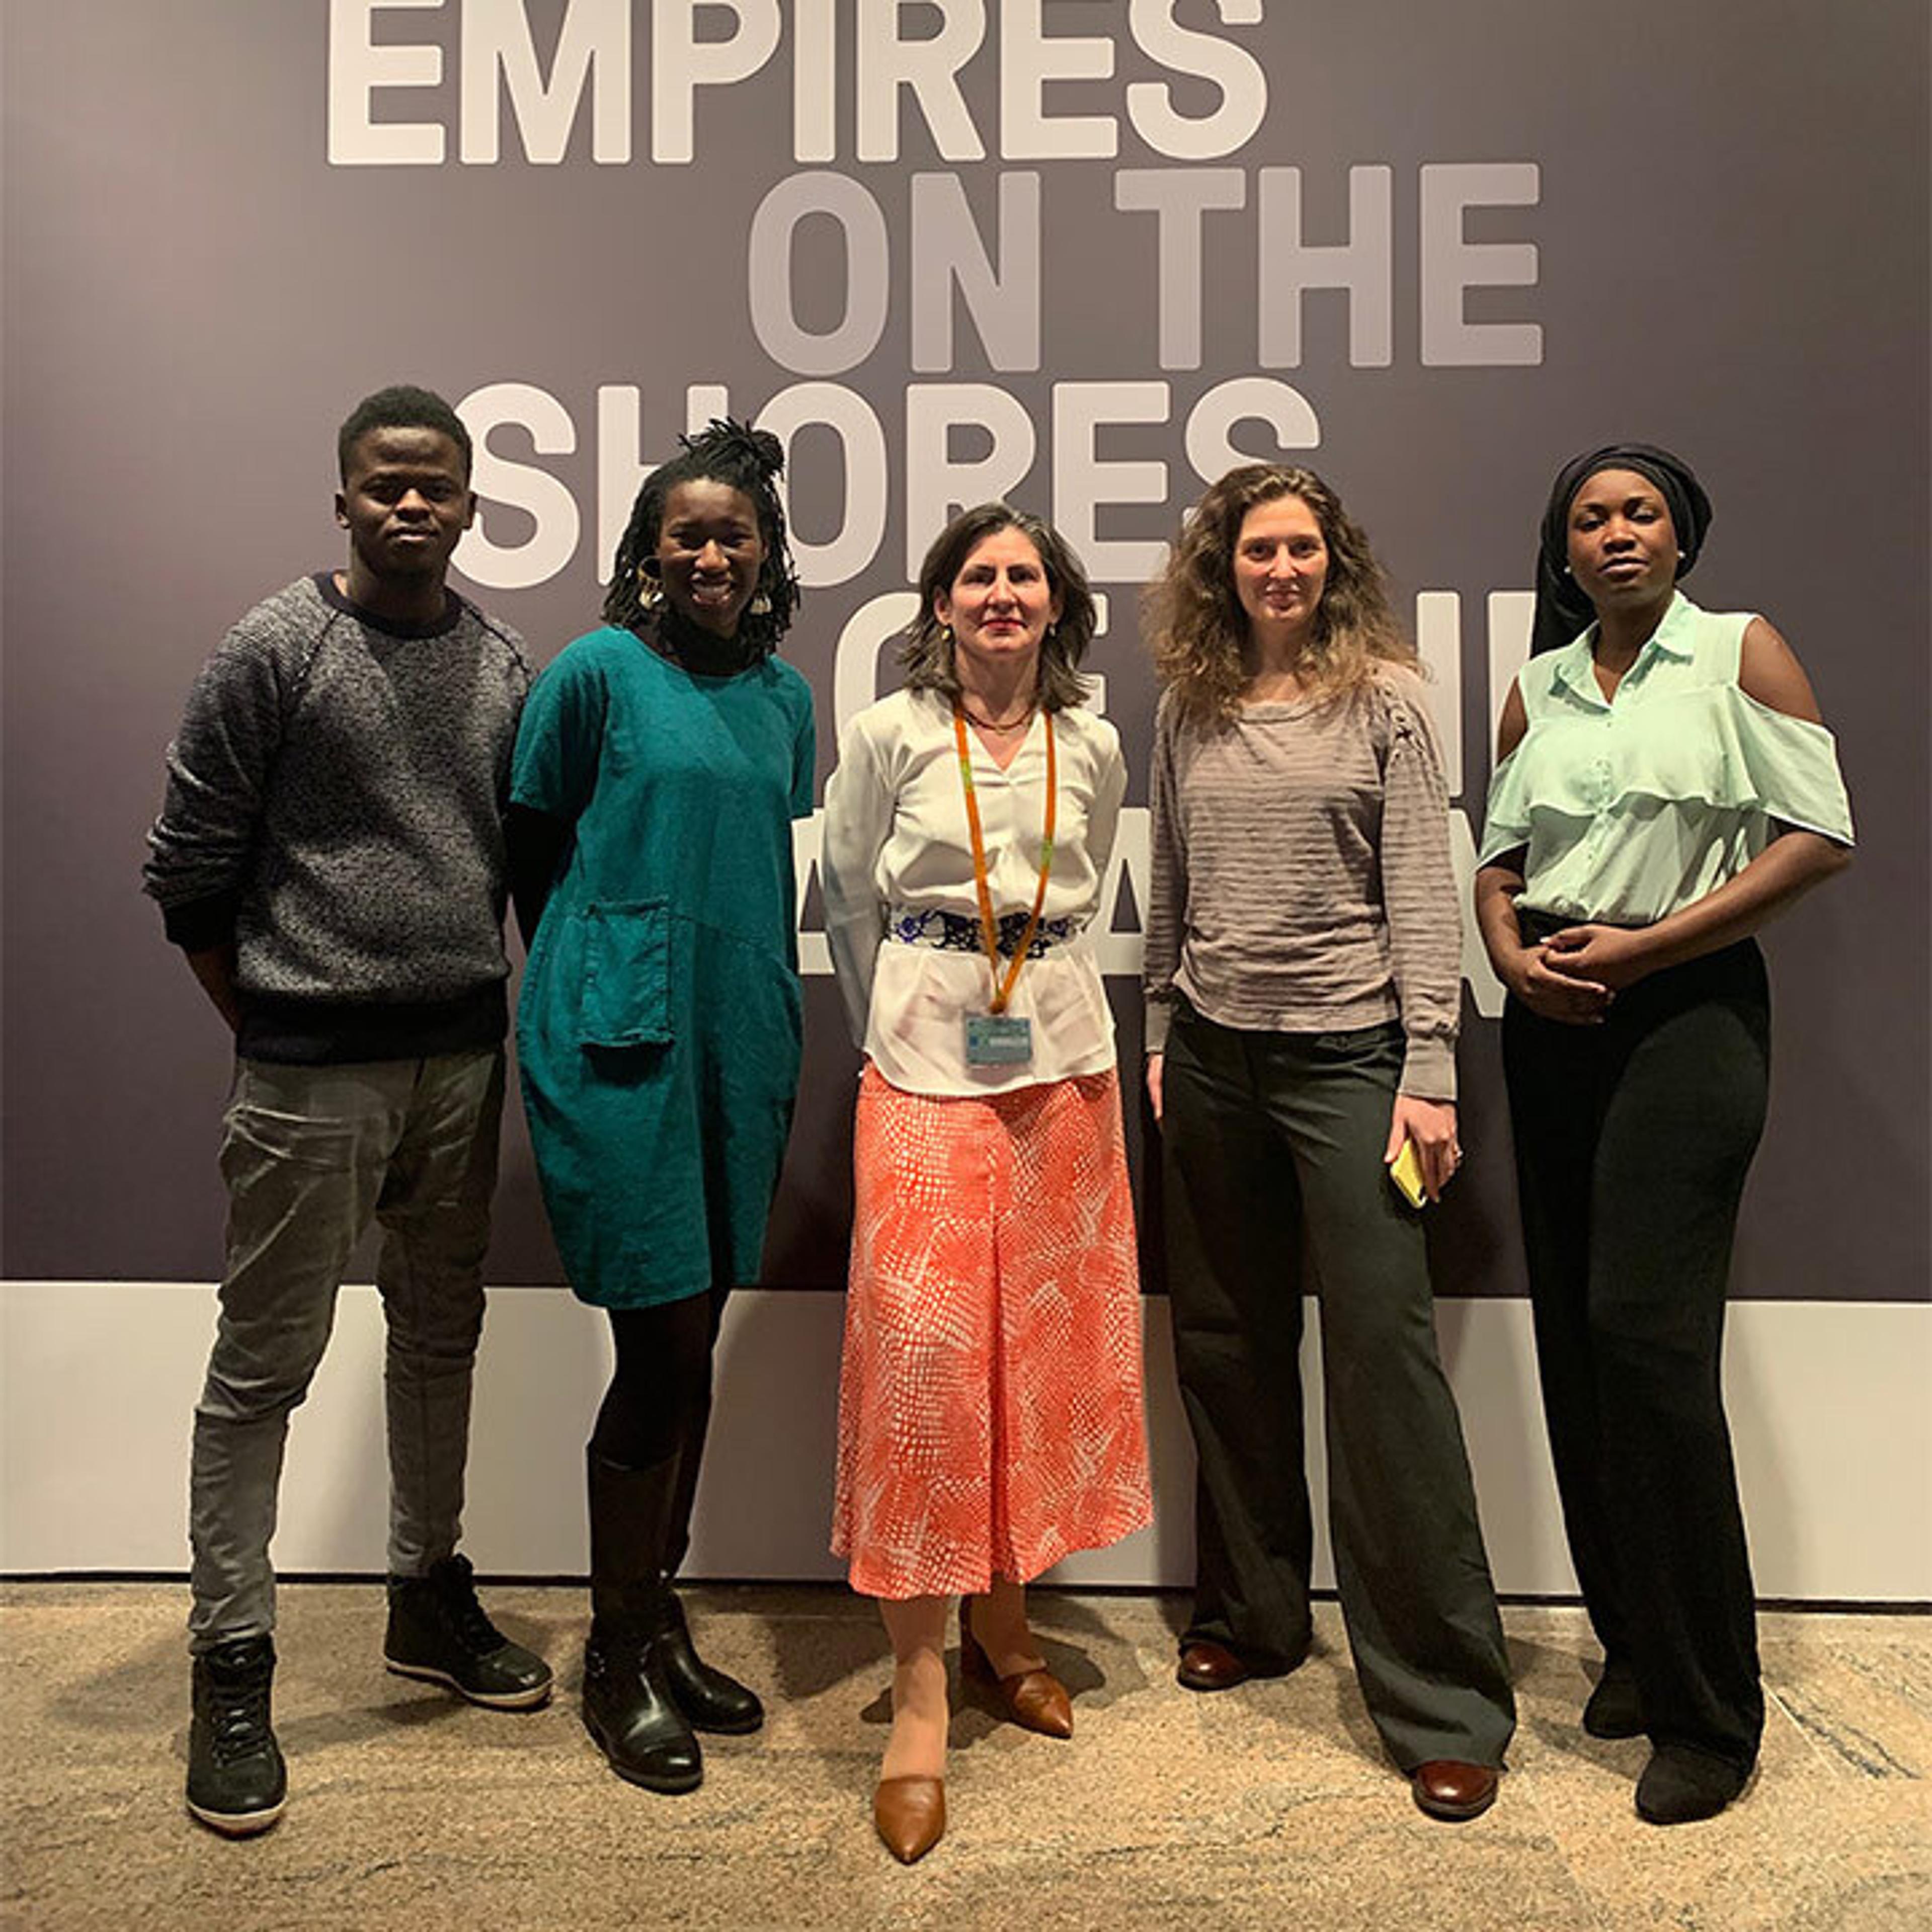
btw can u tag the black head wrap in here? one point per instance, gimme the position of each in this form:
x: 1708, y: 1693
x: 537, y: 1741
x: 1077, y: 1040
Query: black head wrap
x: 1561, y: 609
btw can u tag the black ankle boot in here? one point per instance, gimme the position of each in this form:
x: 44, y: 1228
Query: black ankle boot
x: 438, y: 1630
x: 712, y: 1700
x: 236, y: 1784
x: 628, y: 1706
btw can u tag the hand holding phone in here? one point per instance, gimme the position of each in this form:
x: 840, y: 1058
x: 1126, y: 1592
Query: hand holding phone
x: 1405, y: 1173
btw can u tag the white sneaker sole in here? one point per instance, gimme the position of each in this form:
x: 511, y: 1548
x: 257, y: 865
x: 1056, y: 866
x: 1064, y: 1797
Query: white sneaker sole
x: 493, y: 1700
x: 235, y: 1824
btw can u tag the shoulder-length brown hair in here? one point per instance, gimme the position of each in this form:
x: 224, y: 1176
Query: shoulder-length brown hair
x: 927, y: 652
x: 1199, y: 631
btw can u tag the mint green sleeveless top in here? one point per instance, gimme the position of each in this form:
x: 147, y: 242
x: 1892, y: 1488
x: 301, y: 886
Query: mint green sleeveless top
x: 1629, y: 808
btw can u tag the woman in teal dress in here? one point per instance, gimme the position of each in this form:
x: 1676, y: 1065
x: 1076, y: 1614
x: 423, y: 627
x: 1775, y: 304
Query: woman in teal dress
x: 659, y: 765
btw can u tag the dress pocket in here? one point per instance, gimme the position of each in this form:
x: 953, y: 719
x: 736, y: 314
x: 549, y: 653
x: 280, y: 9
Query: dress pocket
x: 625, y: 999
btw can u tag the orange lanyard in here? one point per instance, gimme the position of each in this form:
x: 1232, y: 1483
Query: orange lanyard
x: 989, y: 927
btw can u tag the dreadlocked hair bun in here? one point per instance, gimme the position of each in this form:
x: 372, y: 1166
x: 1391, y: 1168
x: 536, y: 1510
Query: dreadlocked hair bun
x: 723, y: 437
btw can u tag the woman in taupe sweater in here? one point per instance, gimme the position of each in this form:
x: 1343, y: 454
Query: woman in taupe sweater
x: 1303, y: 986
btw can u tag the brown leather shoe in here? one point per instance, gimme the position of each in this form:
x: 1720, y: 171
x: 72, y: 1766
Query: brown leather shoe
x: 1206, y: 1665
x: 1035, y: 1700
x: 1447, y: 1788
x: 909, y: 1814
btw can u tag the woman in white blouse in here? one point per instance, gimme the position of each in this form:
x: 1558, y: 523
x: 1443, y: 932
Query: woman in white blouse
x: 989, y: 1399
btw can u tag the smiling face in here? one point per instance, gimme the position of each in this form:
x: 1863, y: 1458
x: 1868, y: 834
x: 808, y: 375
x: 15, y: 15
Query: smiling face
x: 1622, y: 545
x: 1281, y: 566
x: 1000, y: 605
x: 709, y: 551
x: 405, y: 500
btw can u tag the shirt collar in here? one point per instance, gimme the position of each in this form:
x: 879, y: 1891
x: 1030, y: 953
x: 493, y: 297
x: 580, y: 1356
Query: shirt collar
x: 1574, y: 670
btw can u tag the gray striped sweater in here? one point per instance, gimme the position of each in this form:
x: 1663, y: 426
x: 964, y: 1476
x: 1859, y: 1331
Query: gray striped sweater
x: 1301, y: 874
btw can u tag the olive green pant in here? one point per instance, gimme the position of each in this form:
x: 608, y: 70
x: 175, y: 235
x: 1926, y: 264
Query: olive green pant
x: 1269, y: 1139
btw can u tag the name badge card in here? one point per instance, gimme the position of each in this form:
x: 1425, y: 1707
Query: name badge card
x: 998, y: 1039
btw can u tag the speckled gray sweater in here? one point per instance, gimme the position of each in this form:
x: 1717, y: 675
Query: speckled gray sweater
x: 335, y: 805
x: 1301, y: 874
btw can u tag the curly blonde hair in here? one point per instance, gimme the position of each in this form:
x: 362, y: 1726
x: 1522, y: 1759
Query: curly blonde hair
x: 1199, y: 631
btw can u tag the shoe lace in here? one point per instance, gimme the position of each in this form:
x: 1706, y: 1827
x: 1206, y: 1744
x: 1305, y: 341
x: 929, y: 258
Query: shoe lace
x: 238, y: 1713
x: 467, y: 1620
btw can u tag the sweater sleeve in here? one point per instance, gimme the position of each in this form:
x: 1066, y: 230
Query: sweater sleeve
x: 218, y: 769
x: 1419, y: 897
x: 1167, y: 890
x: 858, y: 822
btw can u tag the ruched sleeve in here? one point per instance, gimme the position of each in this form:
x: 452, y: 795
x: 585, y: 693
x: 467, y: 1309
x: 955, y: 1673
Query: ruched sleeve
x: 1167, y: 898
x: 1419, y: 894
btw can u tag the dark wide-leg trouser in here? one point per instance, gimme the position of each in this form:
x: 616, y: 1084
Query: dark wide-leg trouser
x: 311, y: 1155
x: 1264, y: 1135
x: 1633, y: 1140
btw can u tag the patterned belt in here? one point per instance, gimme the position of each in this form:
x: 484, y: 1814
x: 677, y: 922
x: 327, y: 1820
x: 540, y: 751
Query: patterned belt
x: 954, y: 932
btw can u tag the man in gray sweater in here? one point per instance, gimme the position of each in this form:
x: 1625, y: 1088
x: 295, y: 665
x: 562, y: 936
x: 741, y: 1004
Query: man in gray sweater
x: 330, y: 859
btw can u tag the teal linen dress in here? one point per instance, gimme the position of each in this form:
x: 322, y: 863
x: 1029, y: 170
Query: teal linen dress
x: 659, y: 1030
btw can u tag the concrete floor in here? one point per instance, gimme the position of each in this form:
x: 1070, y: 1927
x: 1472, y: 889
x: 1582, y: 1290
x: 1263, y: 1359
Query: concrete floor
x: 1268, y: 1806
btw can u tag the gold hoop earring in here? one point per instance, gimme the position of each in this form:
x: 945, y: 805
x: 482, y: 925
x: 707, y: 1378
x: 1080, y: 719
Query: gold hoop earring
x: 760, y: 605
x: 650, y: 591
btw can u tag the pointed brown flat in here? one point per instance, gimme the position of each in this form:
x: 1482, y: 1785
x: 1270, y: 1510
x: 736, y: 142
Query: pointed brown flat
x: 910, y: 1815
x: 1035, y: 1700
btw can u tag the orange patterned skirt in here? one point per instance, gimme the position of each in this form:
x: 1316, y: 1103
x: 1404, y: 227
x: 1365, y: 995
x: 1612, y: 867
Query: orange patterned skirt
x: 989, y: 1401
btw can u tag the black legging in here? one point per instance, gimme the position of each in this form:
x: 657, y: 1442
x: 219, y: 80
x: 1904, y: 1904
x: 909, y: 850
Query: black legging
x: 659, y: 1404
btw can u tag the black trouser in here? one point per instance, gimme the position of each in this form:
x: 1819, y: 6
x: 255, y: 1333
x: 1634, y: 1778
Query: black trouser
x: 657, y: 1410
x: 1633, y: 1140
x: 1265, y: 1135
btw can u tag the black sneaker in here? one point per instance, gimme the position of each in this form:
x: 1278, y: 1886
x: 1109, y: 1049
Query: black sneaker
x: 236, y: 1782
x: 439, y: 1630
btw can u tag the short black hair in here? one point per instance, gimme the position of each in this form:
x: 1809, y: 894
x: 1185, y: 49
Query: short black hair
x: 747, y: 460
x: 401, y: 406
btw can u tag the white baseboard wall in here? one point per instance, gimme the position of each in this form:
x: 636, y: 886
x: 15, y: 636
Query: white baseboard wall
x: 1828, y: 1405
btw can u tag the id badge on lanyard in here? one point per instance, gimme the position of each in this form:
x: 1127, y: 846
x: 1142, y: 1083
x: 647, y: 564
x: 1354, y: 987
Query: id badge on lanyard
x: 996, y: 1037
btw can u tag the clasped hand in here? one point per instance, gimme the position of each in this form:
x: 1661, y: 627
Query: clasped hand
x: 1573, y: 975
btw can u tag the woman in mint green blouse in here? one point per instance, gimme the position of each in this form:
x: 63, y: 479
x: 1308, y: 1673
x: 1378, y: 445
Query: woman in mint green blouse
x: 1664, y: 784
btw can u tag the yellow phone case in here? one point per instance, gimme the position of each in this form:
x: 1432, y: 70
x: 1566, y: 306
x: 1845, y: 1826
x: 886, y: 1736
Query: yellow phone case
x: 1405, y: 1171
